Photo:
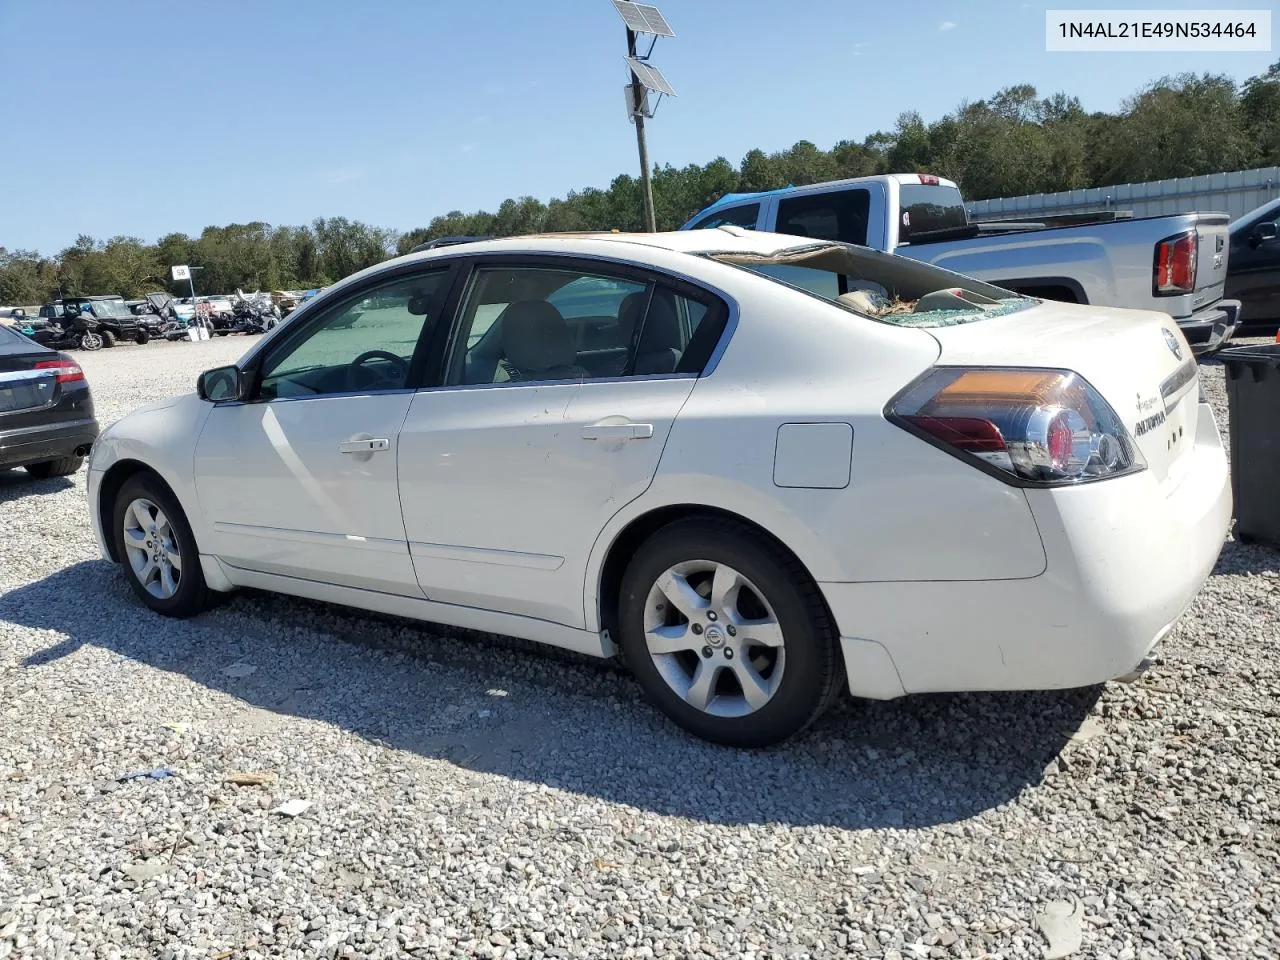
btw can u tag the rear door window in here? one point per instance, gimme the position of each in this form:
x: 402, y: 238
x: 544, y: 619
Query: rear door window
x: 744, y: 216
x: 839, y: 215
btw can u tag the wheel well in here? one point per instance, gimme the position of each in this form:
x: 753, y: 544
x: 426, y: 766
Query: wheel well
x: 640, y: 529
x: 1050, y: 292
x: 117, y: 476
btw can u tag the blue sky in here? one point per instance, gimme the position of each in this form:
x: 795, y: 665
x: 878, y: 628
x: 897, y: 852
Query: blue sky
x: 143, y: 117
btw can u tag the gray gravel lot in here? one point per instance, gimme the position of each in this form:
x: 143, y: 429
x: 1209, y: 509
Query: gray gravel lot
x: 470, y: 797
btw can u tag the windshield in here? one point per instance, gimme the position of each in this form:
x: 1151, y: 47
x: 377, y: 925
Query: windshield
x: 109, y: 308
x: 1269, y: 210
x: 880, y: 286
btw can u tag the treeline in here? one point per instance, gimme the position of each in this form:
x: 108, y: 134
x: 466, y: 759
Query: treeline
x: 1015, y: 142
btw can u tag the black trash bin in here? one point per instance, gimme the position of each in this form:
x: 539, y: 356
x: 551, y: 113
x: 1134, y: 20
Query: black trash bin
x: 1253, y: 397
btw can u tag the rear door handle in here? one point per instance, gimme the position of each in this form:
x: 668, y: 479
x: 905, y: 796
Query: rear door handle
x: 618, y: 431
x: 372, y: 445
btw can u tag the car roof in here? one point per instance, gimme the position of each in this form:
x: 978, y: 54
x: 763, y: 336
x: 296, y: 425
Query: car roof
x: 726, y: 239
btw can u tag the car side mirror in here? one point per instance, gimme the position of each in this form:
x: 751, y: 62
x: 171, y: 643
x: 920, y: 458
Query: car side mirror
x: 222, y: 383
x: 1264, y: 233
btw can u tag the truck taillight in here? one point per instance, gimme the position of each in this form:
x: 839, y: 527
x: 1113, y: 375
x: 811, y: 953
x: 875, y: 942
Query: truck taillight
x: 1030, y: 427
x: 65, y: 369
x: 1175, y: 269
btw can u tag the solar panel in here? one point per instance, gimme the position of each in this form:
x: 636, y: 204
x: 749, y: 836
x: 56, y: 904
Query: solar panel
x: 643, y: 18
x: 650, y: 76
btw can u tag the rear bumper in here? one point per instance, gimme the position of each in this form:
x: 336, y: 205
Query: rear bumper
x: 45, y: 442
x: 1209, y: 329
x: 1125, y: 559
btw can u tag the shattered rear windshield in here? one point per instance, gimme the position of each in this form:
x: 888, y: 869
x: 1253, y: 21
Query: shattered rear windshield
x: 883, y: 287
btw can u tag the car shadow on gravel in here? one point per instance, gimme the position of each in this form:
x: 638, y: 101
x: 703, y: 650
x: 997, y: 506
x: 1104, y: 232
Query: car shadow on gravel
x: 16, y: 484
x: 1238, y: 558
x: 502, y: 707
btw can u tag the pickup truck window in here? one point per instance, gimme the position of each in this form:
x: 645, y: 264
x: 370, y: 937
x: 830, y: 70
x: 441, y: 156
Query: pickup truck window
x: 879, y: 286
x: 839, y: 215
x: 744, y: 216
x: 929, y: 210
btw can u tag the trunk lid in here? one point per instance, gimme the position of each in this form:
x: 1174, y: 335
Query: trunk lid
x: 24, y: 389
x: 1138, y: 361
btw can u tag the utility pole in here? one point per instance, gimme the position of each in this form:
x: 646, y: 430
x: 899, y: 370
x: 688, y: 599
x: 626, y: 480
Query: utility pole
x: 638, y: 97
x: 644, y: 18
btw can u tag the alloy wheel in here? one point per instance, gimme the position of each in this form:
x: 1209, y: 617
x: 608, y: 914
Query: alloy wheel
x: 714, y: 638
x: 152, y: 547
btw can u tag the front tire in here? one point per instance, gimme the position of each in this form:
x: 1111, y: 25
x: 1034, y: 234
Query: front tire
x: 108, y: 338
x: 141, y: 337
x: 729, y: 639
x: 91, y: 341
x: 47, y: 469
x: 157, y: 548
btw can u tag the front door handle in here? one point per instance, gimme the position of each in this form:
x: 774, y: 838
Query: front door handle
x: 371, y: 445
x: 618, y: 431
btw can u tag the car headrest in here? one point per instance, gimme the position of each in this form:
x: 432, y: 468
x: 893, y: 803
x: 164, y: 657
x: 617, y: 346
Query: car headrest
x: 536, y: 337
x: 661, y: 324
x: 629, y: 313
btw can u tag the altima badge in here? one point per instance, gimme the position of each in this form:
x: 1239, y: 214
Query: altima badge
x: 1172, y: 341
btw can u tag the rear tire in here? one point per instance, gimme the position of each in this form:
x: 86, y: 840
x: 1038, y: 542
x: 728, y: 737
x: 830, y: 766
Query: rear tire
x: 157, y: 548
x: 730, y: 639
x: 62, y: 467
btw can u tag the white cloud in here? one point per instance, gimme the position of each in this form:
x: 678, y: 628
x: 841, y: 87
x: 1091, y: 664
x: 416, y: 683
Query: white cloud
x: 946, y: 25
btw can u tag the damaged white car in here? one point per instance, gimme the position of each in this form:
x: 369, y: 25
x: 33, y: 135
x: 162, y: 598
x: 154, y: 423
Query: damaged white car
x: 767, y: 469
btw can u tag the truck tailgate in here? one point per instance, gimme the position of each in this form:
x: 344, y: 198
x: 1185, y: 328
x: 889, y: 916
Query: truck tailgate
x: 1212, y: 240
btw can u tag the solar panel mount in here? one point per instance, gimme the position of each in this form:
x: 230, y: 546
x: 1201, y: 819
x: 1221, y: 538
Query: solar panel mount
x: 643, y: 18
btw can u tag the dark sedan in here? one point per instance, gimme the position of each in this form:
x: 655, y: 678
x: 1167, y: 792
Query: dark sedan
x: 46, y: 410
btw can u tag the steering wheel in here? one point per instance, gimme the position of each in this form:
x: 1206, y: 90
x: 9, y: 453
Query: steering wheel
x: 377, y: 380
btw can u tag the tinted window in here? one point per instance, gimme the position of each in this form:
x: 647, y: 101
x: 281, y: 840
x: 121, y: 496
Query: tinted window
x: 929, y: 209
x: 362, y: 344
x: 534, y: 324
x: 839, y: 215
x: 743, y: 216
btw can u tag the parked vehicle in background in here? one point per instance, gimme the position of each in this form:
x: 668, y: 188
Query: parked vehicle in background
x: 46, y: 409
x: 70, y: 330
x: 116, y: 322
x: 1175, y: 264
x: 724, y: 454
x: 1253, y: 273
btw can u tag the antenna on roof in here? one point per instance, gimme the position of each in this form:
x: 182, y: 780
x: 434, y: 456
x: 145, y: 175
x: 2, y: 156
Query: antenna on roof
x: 642, y: 18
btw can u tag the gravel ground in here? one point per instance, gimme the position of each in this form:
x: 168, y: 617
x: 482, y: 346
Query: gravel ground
x: 472, y: 798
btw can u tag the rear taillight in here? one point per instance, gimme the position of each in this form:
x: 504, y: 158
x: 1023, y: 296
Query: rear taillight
x: 65, y: 369
x: 1030, y: 426
x: 1175, y: 269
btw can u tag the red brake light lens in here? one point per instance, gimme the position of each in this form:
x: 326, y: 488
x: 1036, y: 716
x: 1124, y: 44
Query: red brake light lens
x: 1042, y: 427
x: 65, y: 369
x: 1175, y: 269
x: 928, y: 179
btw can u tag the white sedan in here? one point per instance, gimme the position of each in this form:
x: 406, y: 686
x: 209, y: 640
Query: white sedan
x: 768, y: 469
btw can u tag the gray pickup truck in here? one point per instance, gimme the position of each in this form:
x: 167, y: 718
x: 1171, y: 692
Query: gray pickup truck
x: 1175, y: 264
